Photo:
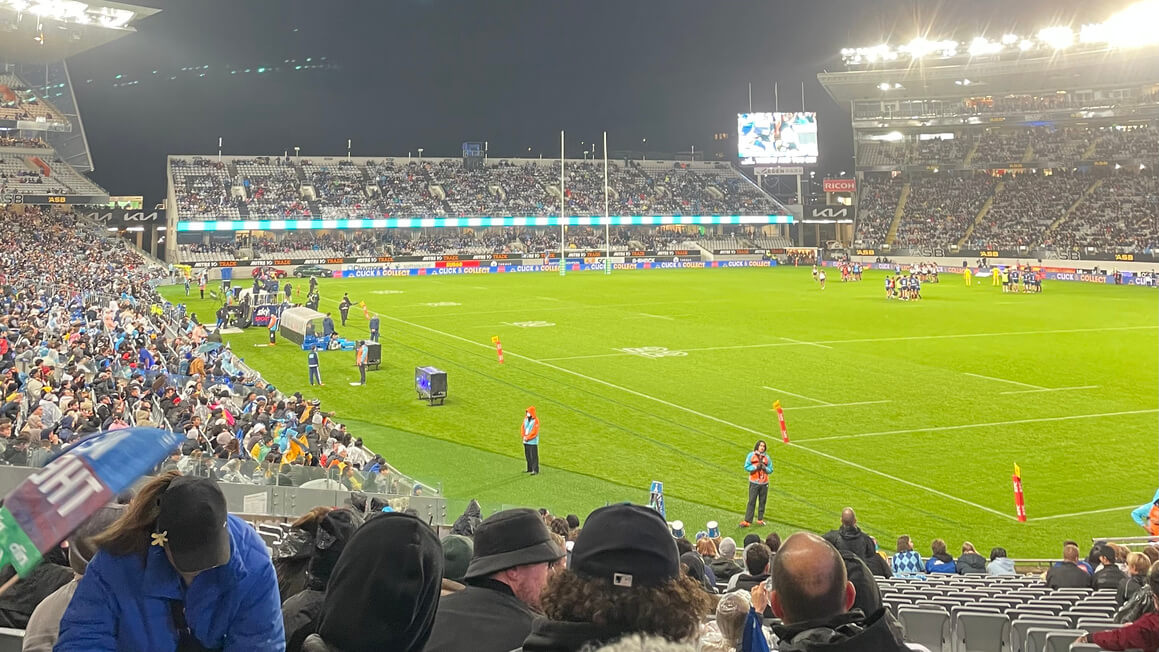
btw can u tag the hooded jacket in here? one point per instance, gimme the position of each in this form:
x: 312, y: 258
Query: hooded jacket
x: 470, y: 519
x: 970, y: 563
x: 123, y: 601
x: 1000, y: 566
x: 847, y: 632
x: 333, y: 532
x: 384, y: 591
x: 529, y: 428
x: 851, y: 538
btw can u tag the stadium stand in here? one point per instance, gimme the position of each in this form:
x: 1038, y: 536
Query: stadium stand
x: 19, y: 102
x: 1119, y: 214
x: 1026, y: 207
x: 266, y: 187
x: 879, y: 200
x: 941, y: 207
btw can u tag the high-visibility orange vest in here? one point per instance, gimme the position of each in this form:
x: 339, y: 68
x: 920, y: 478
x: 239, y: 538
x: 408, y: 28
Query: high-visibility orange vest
x: 1152, y: 526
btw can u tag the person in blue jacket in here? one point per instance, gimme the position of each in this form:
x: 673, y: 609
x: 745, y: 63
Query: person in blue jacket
x: 1147, y: 516
x: 176, y: 572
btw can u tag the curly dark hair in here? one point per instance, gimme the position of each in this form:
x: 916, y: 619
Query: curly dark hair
x: 673, y: 610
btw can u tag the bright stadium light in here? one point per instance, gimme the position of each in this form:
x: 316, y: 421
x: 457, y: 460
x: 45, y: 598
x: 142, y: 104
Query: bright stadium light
x: 1025, y: 44
x: 1132, y: 27
x: 1009, y: 39
x: 981, y: 46
x: 1059, y: 38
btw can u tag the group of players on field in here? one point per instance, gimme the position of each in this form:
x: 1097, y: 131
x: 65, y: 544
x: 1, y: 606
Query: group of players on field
x: 1020, y: 278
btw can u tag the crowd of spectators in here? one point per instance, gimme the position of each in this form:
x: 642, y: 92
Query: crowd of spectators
x: 1026, y: 207
x: 1122, y: 214
x: 18, y: 102
x: 1134, y: 143
x: 266, y: 187
x: 1001, y: 147
x: 16, y: 141
x: 941, y: 207
x: 875, y: 211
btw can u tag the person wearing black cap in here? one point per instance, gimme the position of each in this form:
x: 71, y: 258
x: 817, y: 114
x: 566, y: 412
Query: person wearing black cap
x: 331, y: 534
x: 513, y: 558
x: 176, y: 571
x: 384, y: 591
x: 623, y: 578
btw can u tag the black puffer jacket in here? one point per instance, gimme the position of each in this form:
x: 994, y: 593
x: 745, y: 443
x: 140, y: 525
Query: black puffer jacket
x: 848, y: 632
x: 853, y: 540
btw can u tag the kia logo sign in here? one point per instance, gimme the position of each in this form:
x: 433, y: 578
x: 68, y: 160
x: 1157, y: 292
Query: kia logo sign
x: 830, y: 213
x: 840, y: 185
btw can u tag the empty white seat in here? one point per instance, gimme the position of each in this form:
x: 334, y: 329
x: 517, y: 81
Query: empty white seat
x: 926, y: 626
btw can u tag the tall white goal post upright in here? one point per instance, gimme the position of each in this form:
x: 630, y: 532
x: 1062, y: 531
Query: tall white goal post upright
x: 562, y: 228
x: 607, y: 217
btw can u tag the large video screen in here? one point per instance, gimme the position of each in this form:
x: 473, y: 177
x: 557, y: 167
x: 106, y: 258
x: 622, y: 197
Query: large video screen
x: 777, y: 138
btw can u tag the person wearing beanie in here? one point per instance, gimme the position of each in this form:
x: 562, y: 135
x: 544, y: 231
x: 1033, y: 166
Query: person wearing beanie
x: 44, y: 626
x: 384, y: 591
x: 332, y: 532
x: 457, y: 551
x: 624, y: 579
x: 725, y: 566
x: 513, y: 557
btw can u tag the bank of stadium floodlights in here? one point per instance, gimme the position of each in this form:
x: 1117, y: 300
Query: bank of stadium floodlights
x: 72, y: 12
x: 1130, y: 28
x: 477, y: 222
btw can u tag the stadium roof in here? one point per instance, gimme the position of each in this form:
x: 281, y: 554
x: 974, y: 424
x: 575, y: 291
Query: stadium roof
x: 997, y: 76
x: 44, y: 31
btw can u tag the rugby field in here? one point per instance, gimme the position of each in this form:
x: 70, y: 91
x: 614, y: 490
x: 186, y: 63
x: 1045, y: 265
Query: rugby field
x: 912, y: 413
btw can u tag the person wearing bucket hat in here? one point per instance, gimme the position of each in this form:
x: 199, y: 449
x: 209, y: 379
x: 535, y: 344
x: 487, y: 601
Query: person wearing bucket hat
x: 176, y: 571
x: 624, y: 578
x: 514, y: 556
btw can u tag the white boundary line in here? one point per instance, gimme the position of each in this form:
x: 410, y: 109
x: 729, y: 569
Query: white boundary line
x: 820, y: 346
x: 645, y: 314
x: 789, y: 342
x: 1087, y: 513
x: 829, y: 405
x: 967, y: 426
x: 1051, y: 389
x: 781, y: 391
x: 712, y: 418
x: 1003, y: 380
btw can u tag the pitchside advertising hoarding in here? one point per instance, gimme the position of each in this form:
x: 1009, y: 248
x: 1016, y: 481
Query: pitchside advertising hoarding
x: 777, y: 138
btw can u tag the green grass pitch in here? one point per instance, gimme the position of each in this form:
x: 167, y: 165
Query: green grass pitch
x: 912, y: 413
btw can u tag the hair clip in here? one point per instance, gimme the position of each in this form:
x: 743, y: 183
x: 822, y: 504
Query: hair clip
x: 160, y: 538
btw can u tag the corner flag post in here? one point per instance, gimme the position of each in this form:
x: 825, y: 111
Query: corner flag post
x: 1019, y: 499
x: 781, y: 420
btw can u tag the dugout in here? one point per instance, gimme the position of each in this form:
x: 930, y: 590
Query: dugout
x: 296, y: 321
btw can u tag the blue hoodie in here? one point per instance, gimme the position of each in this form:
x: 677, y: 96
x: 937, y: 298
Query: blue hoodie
x: 122, y: 602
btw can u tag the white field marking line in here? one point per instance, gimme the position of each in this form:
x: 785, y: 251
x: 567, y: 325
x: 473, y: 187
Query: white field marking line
x: 1003, y: 380
x: 1093, y: 511
x: 781, y: 391
x: 1051, y: 389
x: 829, y: 405
x: 645, y: 314
x: 712, y: 418
x: 820, y: 346
x: 967, y: 426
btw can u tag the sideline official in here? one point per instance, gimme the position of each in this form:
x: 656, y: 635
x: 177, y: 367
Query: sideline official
x: 530, y: 431
x: 759, y: 465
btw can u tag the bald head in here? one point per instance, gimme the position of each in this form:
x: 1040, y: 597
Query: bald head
x: 848, y: 518
x: 811, y: 581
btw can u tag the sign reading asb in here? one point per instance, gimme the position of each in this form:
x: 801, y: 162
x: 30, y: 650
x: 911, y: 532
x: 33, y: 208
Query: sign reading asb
x: 840, y: 185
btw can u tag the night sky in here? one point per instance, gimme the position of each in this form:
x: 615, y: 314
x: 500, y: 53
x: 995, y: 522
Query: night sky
x: 404, y: 74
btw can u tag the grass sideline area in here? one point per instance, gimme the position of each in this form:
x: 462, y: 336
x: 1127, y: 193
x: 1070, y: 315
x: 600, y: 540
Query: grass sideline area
x: 913, y: 413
